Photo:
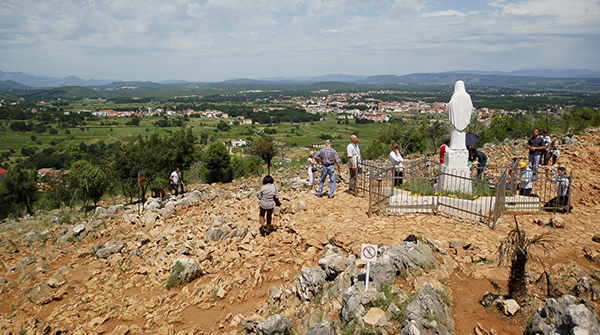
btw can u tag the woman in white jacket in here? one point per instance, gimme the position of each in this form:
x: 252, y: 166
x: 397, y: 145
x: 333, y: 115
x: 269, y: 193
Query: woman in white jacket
x: 397, y: 163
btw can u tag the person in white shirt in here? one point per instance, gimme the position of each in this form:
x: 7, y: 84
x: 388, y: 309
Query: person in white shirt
x: 545, y: 154
x: 354, y: 161
x: 175, y: 176
x: 397, y: 164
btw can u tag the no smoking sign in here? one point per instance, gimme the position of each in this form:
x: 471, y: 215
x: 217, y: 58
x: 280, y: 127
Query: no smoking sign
x: 368, y: 252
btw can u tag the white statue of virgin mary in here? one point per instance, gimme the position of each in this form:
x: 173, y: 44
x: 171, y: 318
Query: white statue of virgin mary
x: 459, y: 109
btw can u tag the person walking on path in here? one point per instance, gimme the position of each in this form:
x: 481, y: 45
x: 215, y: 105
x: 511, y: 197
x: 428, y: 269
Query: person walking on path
x: 535, y: 144
x: 547, y: 140
x: 175, y: 178
x: 312, y: 171
x: 267, y: 194
x: 481, y: 158
x: 553, y: 151
x: 397, y: 164
x: 354, y: 162
x: 328, y: 157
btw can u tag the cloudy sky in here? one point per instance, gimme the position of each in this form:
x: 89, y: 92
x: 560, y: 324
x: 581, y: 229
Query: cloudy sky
x: 214, y: 40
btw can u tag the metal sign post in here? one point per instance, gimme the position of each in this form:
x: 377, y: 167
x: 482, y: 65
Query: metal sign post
x: 368, y: 252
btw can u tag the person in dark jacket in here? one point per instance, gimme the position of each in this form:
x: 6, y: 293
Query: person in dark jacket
x: 481, y: 158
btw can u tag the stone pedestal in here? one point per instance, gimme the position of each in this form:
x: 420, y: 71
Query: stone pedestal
x: 455, y: 172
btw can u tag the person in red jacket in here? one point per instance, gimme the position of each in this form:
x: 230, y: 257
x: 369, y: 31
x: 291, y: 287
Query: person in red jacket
x: 443, y: 150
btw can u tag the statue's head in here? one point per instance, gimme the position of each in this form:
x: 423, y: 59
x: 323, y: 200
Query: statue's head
x: 459, y: 87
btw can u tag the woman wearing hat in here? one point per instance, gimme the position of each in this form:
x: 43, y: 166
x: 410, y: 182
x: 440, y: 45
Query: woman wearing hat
x: 525, y: 176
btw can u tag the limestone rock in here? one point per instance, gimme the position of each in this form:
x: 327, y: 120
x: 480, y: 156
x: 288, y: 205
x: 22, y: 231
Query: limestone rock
x: 557, y: 222
x: 428, y: 302
x: 510, y: 307
x: 310, y: 282
x: 351, y: 305
x: 375, y: 317
x: 565, y: 316
x: 116, y: 208
x: 592, y: 252
x: 333, y: 261
x: 191, y: 269
x: 107, y: 249
x: 275, y: 325
x: 323, y: 328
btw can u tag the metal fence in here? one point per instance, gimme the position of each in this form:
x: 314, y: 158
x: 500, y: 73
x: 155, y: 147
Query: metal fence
x: 416, y: 189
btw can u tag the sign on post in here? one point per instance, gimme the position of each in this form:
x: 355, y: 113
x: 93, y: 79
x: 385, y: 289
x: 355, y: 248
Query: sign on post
x: 368, y: 252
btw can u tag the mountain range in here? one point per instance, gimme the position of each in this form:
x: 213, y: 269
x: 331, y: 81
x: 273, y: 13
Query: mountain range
x: 30, y: 80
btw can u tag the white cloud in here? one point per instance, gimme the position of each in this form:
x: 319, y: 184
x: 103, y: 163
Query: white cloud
x: 257, y: 38
x: 444, y: 13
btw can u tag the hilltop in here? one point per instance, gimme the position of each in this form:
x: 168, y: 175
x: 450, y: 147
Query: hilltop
x: 108, y: 272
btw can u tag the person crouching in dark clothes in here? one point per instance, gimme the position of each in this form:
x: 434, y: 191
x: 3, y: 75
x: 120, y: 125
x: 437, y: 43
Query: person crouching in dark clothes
x: 267, y: 194
x: 561, y: 202
x: 481, y: 158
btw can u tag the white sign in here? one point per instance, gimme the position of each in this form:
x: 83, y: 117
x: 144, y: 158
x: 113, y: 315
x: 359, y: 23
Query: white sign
x: 368, y: 252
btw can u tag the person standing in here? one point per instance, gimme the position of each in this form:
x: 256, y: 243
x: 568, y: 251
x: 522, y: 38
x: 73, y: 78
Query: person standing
x: 443, y: 149
x: 312, y: 171
x: 397, y: 163
x: 525, y: 175
x: 535, y: 146
x: 354, y: 161
x: 553, y: 151
x: 547, y: 140
x: 175, y: 178
x: 266, y: 196
x: 481, y: 158
x: 328, y: 157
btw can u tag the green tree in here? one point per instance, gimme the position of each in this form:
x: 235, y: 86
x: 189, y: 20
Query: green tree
x: 391, y: 132
x: 222, y: 126
x: 89, y: 179
x: 183, y: 143
x: 216, y: 161
x: 19, y: 189
x: 375, y: 150
x: 265, y: 149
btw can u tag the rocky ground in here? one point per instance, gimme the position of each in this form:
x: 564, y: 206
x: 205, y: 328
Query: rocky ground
x: 112, y: 272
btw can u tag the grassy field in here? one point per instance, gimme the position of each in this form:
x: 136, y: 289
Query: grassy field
x: 298, y: 135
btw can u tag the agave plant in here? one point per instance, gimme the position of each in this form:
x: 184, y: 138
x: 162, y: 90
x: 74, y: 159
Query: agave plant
x: 517, y: 247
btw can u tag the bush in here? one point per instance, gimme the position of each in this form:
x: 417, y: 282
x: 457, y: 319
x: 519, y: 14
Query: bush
x: 174, y: 277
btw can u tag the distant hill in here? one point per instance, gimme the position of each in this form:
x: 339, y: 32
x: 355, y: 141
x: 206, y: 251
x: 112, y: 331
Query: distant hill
x: 326, y: 78
x: 8, y: 85
x: 8, y: 98
x: 21, y: 84
x: 41, y: 81
x: 525, y: 82
x: 70, y: 92
x: 544, y: 73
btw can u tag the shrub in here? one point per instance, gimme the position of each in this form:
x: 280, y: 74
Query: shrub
x: 174, y: 277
